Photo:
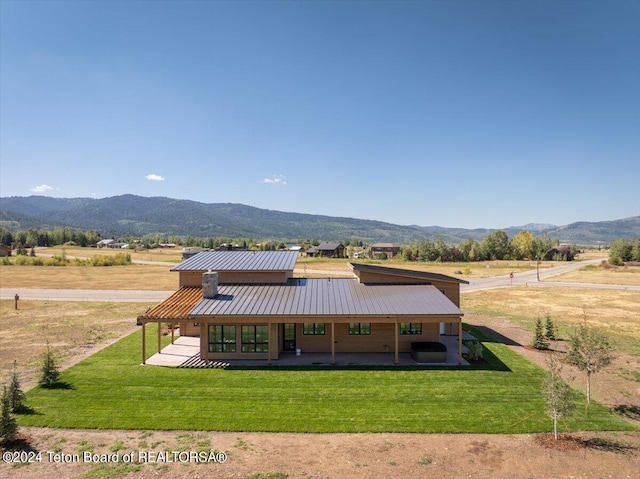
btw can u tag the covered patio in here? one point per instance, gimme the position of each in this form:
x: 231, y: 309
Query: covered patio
x: 184, y: 352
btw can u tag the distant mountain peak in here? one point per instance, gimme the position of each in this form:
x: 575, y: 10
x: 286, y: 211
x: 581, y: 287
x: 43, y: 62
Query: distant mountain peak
x: 533, y: 227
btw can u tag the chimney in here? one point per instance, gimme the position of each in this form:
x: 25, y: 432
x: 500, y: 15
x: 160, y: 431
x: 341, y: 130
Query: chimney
x: 209, y: 285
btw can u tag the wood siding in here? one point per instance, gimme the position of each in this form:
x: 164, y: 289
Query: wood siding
x: 194, y: 278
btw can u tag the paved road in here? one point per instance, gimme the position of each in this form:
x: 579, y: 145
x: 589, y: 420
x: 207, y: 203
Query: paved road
x: 529, y: 278
x: 519, y: 279
x: 119, y: 296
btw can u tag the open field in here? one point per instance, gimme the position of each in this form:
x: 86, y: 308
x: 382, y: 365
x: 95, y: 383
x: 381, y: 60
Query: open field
x: 625, y: 275
x: 484, y: 269
x: 129, y: 277
x: 74, y: 330
x: 173, y: 255
x: 615, y: 312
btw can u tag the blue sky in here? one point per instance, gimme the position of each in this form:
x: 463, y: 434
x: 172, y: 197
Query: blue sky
x: 451, y: 113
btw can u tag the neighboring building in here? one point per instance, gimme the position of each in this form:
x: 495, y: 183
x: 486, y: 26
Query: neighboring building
x: 390, y: 249
x: 559, y: 253
x: 5, y: 250
x: 105, y: 243
x: 248, y: 305
x: 327, y: 250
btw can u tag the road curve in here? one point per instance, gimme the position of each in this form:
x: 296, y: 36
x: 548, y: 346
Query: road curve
x: 526, y: 277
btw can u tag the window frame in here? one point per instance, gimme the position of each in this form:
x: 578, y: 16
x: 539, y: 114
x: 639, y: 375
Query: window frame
x: 253, y: 345
x: 314, y: 329
x: 410, y: 329
x: 225, y: 345
x: 359, y: 329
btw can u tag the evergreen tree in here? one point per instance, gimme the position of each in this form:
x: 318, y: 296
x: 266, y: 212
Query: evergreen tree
x: 557, y: 393
x: 50, y: 374
x: 539, y: 341
x: 16, y: 395
x: 8, y: 424
x: 550, y: 328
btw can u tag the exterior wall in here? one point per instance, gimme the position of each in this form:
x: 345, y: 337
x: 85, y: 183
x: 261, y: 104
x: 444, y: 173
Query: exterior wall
x: 274, y: 343
x: 381, y: 339
x: 451, y: 289
x: 189, y: 328
x: 194, y: 278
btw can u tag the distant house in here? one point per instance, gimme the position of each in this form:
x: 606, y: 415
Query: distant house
x: 105, y: 243
x: 559, y: 253
x: 248, y: 305
x: 327, y: 250
x: 5, y: 250
x: 389, y: 249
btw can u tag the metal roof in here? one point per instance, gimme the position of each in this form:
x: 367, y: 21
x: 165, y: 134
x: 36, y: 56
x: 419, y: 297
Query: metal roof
x: 240, y: 261
x: 326, y: 297
x: 406, y: 272
x: 328, y: 246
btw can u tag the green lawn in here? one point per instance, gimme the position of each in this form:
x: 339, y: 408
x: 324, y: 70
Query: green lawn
x: 111, y: 390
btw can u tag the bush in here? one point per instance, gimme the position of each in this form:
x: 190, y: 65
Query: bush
x: 475, y: 349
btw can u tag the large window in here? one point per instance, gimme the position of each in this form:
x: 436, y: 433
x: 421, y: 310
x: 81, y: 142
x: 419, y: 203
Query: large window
x: 410, y: 328
x: 255, y: 339
x: 359, y: 328
x: 222, y: 338
x: 311, y: 329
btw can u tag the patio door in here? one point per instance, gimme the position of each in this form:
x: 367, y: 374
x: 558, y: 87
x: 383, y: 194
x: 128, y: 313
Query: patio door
x: 289, y: 337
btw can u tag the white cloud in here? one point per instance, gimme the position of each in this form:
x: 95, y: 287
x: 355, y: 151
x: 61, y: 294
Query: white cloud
x: 276, y: 180
x: 154, y: 177
x: 41, y: 188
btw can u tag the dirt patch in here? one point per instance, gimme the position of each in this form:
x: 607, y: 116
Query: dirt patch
x: 326, y: 455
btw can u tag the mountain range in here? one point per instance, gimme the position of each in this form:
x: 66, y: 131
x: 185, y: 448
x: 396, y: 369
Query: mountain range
x: 131, y: 215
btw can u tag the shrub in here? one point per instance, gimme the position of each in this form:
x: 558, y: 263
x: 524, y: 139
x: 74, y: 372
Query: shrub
x: 475, y: 349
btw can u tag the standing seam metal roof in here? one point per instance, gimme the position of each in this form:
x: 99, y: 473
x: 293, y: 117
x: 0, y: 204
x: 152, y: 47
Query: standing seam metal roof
x: 405, y: 272
x: 240, y: 261
x: 324, y: 297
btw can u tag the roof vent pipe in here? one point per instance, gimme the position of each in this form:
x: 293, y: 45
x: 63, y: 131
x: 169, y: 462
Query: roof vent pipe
x: 209, y: 284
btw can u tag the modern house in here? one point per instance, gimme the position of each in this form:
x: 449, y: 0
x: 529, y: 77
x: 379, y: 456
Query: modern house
x: 388, y: 249
x: 248, y: 305
x: 327, y: 250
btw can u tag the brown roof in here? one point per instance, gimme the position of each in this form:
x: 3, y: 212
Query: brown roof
x: 406, y: 273
x: 176, y: 306
x: 326, y: 297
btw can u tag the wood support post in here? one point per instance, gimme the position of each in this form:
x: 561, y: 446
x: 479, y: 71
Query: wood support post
x: 460, y: 341
x: 144, y: 343
x: 333, y: 343
x: 159, y: 334
x: 269, y: 343
x: 395, y: 347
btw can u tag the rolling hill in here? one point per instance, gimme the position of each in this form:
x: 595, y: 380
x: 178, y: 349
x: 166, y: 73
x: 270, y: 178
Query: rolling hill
x: 130, y: 215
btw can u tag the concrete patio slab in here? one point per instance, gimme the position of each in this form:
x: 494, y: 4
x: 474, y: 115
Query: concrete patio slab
x: 185, y: 352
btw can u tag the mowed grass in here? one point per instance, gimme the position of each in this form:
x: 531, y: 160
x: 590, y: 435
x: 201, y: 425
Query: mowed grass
x: 112, y: 390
